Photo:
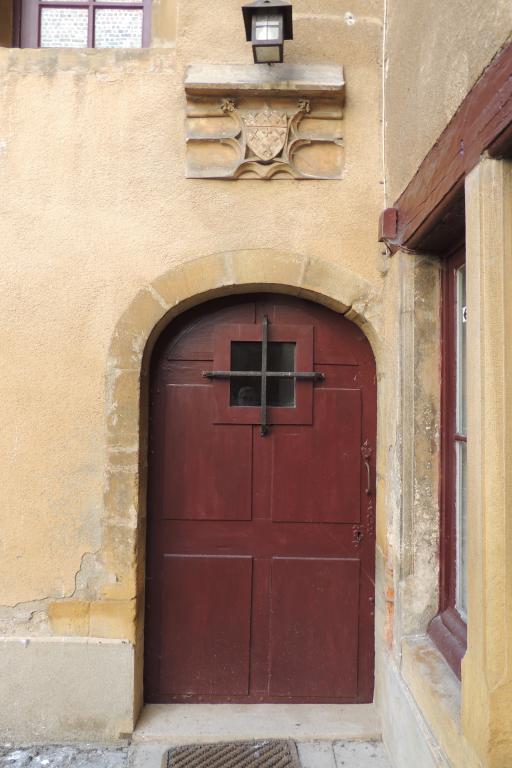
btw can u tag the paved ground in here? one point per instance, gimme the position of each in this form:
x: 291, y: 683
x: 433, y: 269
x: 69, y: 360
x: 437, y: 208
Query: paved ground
x: 64, y: 757
x: 343, y: 754
x: 313, y: 754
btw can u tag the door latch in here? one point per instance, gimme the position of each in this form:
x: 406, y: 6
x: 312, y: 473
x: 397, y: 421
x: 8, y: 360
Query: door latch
x: 366, y: 453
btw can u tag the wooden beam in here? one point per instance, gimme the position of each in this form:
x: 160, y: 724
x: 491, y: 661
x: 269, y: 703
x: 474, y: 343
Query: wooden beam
x: 430, y: 209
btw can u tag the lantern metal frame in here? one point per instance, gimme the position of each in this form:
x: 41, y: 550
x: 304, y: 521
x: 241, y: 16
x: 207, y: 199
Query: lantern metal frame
x: 258, y: 8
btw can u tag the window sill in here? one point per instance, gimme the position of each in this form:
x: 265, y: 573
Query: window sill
x: 436, y: 691
x: 111, y: 61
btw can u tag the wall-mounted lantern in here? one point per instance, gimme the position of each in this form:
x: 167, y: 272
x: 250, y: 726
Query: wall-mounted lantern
x: 268, y: 23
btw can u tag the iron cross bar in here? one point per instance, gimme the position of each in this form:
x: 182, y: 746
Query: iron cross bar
x: 265, y: 374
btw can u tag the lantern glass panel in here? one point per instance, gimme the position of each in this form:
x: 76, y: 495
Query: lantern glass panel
x: 268, y: 27
x: 267, y: 54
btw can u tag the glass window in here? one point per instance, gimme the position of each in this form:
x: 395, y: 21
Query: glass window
x: 281, y: 357
x: 118, y: 28
x: 449, y: 628
x: 95, y: 24
x: 64, y: 27
x: 460, y: 444
x: 246, y: 390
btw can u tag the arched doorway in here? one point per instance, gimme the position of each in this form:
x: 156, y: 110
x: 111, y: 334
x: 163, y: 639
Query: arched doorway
x: 260, y: 559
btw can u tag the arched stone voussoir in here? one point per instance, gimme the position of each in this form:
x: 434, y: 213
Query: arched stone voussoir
x: 221, y: 274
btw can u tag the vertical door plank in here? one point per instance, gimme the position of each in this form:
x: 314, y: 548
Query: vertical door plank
x: 207, y: 471
x: 314, y: 627
x: 206, y: 625
x: 315, y: 473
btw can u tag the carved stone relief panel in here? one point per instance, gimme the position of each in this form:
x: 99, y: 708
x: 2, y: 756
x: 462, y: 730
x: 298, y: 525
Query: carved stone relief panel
x: 277, y: 128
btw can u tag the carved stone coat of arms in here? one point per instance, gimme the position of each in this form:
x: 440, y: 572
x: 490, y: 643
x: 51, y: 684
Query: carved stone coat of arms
x: 266, y: 132
x: 264, y: 143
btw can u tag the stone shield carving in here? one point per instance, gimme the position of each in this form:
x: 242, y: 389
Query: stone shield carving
x: 266, y: 132
x: 233, y: 139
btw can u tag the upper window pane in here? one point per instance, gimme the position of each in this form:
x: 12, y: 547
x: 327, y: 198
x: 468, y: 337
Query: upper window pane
x: 281, y: 357
x: 118, y: 28
x: 246, y: 355
x: 245, y: 390
x: 461, y: 350
x: 64, y: 27
x: 460, y: 446
x: 84, y: 23
x: 268, y: 27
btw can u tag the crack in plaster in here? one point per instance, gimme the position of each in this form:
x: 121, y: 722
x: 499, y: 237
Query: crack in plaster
x: 86, y: 589
x: 21, y: 615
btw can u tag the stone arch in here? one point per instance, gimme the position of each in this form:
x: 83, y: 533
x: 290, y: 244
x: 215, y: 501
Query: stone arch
x: 181, y: 287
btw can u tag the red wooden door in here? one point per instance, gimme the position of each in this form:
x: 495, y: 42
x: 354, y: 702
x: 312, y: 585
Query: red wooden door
x: 260, y: 567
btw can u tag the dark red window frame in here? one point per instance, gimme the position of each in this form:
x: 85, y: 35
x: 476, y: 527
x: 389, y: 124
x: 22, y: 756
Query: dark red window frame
x: 16, y: 24
x: 27, y: 22
x: 448, y: 630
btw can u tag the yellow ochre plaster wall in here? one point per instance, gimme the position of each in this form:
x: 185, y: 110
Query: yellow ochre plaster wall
x: 104, y: 241
x: 96, y: 205
x: 103, y: 238
x: 434, y: 53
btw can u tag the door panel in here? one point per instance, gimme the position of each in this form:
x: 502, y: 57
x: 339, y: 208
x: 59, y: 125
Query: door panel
x: 314, y: 627
x: 312, y: 472
x: 194, y: 340
x: 196, y: 483
x: 260, y: 565
x: 208, y: 599
x: 333, y: 343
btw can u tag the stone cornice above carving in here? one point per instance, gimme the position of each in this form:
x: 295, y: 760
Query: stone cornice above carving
x: 255, y: 79
x: 264, y: 122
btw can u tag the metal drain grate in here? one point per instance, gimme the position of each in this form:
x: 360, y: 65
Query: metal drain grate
x: 245, y: 754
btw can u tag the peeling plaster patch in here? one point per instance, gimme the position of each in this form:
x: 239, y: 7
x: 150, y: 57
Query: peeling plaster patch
x: 25, y: 618
x: 138, y: 344
x: 128, y: 520
x: 3, y: 145
x: 350, y: 19
x: 113, y: 374
x: 89, y: 577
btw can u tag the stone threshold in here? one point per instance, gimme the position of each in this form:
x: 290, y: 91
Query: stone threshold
x: 175, y: 724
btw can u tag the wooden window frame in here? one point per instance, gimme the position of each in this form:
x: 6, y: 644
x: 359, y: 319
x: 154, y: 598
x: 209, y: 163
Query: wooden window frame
x: 448, y: 629
x: 16, y: 24
x: 27, y: 30
x: 430, y: 212
x: 301, y: 412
